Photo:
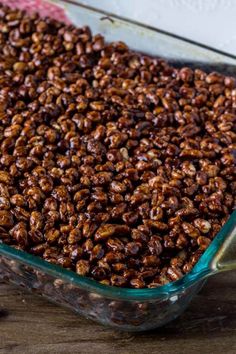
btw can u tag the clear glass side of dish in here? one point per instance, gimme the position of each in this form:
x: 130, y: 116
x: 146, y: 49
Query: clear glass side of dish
x: 126, y: 309
x: 125, y: 314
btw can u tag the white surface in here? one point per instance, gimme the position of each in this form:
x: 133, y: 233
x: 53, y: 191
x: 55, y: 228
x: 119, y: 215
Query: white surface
x: 212, y: 22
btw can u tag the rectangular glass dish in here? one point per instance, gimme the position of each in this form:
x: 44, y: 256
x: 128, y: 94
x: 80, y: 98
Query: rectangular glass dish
x: 128, y: 309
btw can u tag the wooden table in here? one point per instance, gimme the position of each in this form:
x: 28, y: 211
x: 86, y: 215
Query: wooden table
x: 29, y: 324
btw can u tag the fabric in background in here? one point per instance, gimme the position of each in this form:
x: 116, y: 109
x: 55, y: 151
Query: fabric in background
x: 40, y: 6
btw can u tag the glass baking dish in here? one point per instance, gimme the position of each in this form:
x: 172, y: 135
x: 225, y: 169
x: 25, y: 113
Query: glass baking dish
x: 128, y: 309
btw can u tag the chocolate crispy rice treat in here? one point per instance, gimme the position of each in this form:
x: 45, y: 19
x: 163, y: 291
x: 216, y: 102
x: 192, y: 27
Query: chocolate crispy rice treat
x: 113, y: 164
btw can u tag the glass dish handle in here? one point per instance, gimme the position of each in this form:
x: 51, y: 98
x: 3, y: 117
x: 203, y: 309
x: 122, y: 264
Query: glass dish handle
x: 225, y: 257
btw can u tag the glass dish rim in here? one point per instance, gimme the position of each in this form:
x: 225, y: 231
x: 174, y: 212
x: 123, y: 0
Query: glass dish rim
x: 199, y: 271
x: 110, y: 15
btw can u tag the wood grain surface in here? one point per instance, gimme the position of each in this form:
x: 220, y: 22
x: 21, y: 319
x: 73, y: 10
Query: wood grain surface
x: 30, y: 324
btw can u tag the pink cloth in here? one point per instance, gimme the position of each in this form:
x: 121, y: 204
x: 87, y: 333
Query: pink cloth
x: 42, y: 7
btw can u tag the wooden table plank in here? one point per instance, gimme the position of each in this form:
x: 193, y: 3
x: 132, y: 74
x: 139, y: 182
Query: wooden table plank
x: 30, y: 324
